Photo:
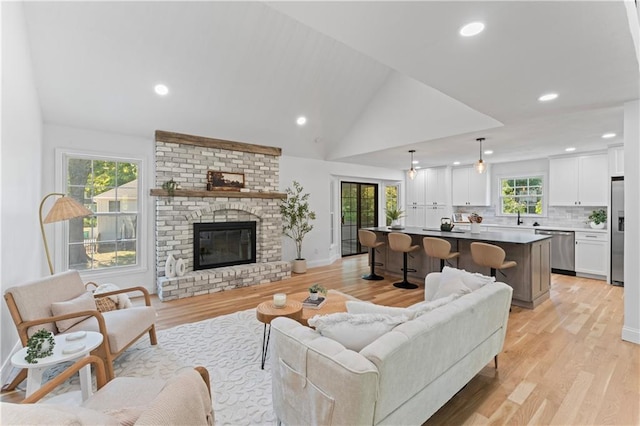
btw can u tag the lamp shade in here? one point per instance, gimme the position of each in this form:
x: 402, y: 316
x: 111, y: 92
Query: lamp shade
x: 66, y: 208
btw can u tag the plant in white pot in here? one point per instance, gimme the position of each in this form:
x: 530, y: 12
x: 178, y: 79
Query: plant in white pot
x: 315, y: 289
x: 598, y: 218
x: 394, y: 215
x: 296, y: 222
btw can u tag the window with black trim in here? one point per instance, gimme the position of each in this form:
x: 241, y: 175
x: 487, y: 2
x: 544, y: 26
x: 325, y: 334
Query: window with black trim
x: 522, y: 194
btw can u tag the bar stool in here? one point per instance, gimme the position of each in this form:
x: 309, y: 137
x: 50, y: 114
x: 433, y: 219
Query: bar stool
x: 402, y: 242
x: 492, y: 256
x: 440, y: 249
x: 368, y: 239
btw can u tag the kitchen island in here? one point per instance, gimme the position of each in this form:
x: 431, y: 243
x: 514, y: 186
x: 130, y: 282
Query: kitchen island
x: 530, y: 279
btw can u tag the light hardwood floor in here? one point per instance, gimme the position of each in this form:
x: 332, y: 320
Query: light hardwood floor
x: 563, y: 363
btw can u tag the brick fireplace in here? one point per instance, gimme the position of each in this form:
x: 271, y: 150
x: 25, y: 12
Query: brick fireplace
x: 186, y: 159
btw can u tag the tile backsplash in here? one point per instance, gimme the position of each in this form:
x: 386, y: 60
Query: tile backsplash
x: 573, y: 217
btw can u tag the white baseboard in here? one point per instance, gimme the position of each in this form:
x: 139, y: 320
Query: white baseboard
x: 631, y: 335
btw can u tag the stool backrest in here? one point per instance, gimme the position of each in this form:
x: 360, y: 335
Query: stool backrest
x: 399, y: 241
x: 367, y: 238
x: 487, y: 255
x: 436, y: 247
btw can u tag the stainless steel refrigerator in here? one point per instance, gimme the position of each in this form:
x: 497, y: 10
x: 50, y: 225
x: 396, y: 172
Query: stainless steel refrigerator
x: 617, y: 230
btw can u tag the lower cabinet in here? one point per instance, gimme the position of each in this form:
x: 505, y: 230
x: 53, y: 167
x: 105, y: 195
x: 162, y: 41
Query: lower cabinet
x: 591, y: 253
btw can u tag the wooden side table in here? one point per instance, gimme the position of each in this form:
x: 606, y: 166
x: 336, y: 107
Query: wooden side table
x: 336, y: 302
x: 80, y: 348
x: 266, y: 312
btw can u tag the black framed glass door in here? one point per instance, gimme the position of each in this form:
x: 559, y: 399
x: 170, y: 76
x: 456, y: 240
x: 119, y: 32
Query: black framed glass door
x: 359, y: 209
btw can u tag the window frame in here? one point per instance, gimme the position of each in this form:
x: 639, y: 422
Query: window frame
x: 524, y: 175
x: 61, y: 230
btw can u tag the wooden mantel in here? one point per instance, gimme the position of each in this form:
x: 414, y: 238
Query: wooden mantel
x: 221, y: 194
x: 171, y: 137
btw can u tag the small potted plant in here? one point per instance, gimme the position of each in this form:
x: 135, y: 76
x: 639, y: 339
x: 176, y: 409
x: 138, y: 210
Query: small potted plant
x: 394, y: 215
x: 475, y: 220
x: 315, y: 289
x: 598, y: 218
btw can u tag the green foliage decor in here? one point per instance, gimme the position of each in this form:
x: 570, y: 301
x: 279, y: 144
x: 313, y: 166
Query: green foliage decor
x: 598, y: 216
x: 317, y: 288
x: 394, y: 213
x: 36, y: 347
x: 296, y: 216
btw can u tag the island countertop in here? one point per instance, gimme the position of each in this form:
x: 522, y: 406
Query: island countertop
x: 496, y: 237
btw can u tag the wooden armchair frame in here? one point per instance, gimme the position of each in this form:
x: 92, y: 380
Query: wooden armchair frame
x: 103, y: 351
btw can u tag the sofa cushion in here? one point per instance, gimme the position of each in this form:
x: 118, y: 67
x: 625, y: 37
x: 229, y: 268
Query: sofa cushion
x: 84, y: 302
x: 355, y: 331
x: 422, y: 308
x: 359, y: 307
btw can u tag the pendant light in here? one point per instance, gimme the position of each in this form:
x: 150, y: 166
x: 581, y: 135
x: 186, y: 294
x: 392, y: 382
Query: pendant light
x: 480, y: 165
x: 412, y: 172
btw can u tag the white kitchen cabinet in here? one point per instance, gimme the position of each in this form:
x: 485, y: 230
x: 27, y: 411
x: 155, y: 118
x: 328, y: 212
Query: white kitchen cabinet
x: 469, y: 188
x: 578, y: 181
x: 616, y: 161
x: 436, y: 186
x: 434, y: 215
x: 415, y: 216
x: 591, y: 253
x: 416, y: 189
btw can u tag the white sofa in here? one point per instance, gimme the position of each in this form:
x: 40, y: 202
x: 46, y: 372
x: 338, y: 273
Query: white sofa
x: 401, y: 378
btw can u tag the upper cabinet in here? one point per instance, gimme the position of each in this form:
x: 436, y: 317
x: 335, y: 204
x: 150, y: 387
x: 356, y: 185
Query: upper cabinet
x: 578, y: 181
x: 436, y: 186
x: 469, y: 188
x: 616, y: 161
x: 416, y: 189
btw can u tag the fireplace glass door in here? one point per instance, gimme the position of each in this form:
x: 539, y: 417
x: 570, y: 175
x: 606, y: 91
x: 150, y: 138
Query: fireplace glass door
x: 223, y: 244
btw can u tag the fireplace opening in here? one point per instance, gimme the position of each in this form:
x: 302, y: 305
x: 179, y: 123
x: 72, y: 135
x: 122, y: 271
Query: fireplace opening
x: 219, y: 244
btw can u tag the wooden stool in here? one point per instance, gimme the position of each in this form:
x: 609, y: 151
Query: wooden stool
x: 492, y: 256
x: 368, y: 239
x: 440, y: 249
x: 402, y: 242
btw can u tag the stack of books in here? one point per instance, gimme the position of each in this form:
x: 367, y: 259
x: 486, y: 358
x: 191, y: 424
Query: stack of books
x: 313, y: 304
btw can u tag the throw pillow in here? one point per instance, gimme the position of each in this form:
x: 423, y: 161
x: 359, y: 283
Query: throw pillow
x: 355, y: 331
x: 359, y: 307
x: 472, y: 280
x: 421, y: 308
x: 453, y: 285
x: 84, y: 302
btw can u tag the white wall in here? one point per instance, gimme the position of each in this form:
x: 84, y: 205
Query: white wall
x: 631, y: 326
x: 60, y: 138
x: 21, y: 253
x: 317, y: 177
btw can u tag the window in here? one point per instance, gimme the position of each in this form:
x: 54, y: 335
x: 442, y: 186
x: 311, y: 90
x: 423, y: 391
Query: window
x: 391, y: 199
x: 109, y: 188
x: 521, y: 194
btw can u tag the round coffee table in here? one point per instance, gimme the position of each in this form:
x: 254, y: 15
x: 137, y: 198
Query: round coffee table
x: 68, y: 347
x: 266, y: 312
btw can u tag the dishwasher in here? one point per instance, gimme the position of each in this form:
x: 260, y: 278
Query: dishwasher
x: 563, y: 249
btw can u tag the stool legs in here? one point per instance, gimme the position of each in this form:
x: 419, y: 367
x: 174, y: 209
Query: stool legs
x: 372, y: 275
x: 404, y: 283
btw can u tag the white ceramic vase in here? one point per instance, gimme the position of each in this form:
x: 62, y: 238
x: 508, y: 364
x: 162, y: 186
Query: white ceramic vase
x: 299, y: 266
x: 170, y: 267
x: 181, y: 267
x: 596, y: 226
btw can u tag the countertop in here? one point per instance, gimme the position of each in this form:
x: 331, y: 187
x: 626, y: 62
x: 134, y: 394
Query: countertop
x: 558, y: 228
x: 498, y: 237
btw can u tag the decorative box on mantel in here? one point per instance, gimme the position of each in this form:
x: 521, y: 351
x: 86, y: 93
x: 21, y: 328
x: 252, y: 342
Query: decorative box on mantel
x: 186, y: 159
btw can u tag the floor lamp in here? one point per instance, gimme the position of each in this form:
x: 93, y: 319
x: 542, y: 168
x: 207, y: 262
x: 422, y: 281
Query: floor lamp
x: 64, y: 208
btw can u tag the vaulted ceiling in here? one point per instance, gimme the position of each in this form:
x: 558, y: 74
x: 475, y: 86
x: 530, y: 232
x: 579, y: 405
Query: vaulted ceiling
x: 374, y: 79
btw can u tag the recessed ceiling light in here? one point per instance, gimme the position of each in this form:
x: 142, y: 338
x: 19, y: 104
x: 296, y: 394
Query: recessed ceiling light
x: 415, y: 162
x: 161, y: 89
x: 301, y: 120
x: 488, y: 152
x: 570, y: 149
x: 456, y: 163
x: 609, y: 135
x: 474, y: 28
x: 548, y: 97
x: 417, y: 167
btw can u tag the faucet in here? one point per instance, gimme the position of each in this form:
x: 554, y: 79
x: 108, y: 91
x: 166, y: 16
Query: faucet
x: 519, y: 222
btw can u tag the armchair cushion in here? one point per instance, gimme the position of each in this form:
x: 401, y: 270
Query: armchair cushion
x: 49, y: 414
x: 84, y: 302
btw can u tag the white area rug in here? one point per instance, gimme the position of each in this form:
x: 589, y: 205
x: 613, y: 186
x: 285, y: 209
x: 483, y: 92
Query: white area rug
x: 229, y: 346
